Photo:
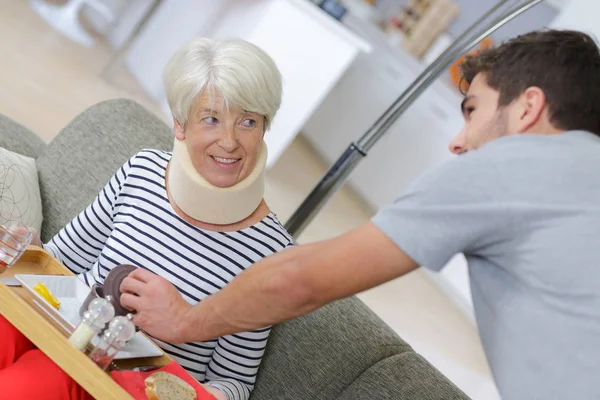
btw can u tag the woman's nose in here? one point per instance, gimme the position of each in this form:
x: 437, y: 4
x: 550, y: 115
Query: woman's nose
x: 229, y: 140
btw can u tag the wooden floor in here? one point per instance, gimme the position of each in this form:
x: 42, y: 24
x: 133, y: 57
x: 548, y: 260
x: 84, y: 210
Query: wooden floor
x: 45, y: 80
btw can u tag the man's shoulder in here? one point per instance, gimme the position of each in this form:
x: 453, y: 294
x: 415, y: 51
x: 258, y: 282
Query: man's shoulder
x: 535, y: 143
x: 513, y: 163
x: 510, y: 151
x: 486, y: 171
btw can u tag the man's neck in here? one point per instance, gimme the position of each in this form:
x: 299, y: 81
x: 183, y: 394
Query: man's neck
x: 544, y: 128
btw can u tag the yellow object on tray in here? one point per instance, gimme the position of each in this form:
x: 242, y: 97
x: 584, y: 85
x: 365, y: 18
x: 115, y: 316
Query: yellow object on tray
x: 43, y: 291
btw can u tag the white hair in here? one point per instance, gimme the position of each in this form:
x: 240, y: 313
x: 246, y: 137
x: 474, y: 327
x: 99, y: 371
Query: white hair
x: 240, y: 72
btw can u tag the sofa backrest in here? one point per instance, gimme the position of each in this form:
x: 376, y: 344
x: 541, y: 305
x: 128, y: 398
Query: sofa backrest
x: 404, y: 376
x: 104, y: 136
x: 18, y: 139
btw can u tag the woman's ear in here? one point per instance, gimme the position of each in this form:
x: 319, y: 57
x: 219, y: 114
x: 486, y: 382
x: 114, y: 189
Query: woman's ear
x: 179, y: 129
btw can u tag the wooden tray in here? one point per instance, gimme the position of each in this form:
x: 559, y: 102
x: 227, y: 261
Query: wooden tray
x: 17, y: 306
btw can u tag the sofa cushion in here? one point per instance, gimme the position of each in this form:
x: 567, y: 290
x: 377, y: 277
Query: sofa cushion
x: 406, y: 376
x: 20, y: 200
x: 319, y: 355
x: 17, y: 138
x: 88, y: 151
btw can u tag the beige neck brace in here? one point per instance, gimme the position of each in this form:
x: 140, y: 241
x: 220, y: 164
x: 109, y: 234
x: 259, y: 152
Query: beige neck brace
x: 211, y: 204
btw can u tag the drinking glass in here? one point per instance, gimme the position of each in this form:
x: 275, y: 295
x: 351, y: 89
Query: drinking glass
x: 14, y: 240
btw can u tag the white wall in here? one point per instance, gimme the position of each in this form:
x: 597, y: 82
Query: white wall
x: 581, y: 15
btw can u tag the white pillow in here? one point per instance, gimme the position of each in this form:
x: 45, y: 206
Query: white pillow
x: 20, y: 200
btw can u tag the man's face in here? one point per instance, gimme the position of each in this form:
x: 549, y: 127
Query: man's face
x: 484, y: 121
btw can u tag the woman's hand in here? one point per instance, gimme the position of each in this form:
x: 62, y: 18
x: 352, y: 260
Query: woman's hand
x: 215, y: 392
x: 158, y: 304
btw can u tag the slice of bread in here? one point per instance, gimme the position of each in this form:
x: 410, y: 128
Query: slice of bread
x: 166, y: 386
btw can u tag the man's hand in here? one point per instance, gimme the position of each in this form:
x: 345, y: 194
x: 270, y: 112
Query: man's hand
x: 296, y: 281
x: 158, y: 304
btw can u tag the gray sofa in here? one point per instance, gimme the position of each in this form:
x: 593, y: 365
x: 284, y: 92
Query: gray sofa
x: 342, y: 351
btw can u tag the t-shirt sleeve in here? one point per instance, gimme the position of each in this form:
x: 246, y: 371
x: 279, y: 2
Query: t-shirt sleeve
x: 456, y: 207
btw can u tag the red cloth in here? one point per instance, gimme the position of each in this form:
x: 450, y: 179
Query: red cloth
x: 27, y: 373
x: 21, y: 363
x: 133, y: 382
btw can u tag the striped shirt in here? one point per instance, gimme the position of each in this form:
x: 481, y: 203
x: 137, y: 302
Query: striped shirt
x: 132, y: 222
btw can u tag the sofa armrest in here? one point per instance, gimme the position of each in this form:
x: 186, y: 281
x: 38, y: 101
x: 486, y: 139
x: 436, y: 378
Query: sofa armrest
x: 15, y: 137
x: 320, y: 354
x: 403, y: 376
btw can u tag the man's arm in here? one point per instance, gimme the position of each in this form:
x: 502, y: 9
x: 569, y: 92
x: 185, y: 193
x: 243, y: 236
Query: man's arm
x: 453, y: 208
x: 296, y: 282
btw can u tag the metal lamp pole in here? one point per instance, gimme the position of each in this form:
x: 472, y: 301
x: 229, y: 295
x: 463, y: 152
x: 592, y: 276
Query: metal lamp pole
x: 337, y: 175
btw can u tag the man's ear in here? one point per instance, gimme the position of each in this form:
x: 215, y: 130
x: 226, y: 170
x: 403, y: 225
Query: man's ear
x: 179, y: 129
x: 530, y: 108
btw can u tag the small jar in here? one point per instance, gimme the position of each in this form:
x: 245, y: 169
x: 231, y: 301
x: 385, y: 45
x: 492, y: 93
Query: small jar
x: 119, y: 332
x: 99, y: 312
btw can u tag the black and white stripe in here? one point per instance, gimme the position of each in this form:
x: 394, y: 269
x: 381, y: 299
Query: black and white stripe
x: 132, y: 222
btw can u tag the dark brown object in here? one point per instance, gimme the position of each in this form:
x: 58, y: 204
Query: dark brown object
x: 111, y: 287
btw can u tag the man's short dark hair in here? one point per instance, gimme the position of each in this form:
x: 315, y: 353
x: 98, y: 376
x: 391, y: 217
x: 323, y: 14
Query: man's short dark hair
x: 565, y: 65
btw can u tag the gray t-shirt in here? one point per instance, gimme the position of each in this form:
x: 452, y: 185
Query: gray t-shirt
x: 525, y: 211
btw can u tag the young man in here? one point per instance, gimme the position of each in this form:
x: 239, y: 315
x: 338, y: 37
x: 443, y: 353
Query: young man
x: 523, y: 205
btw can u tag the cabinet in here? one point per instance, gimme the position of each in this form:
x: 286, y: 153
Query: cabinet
x: 416, y: 141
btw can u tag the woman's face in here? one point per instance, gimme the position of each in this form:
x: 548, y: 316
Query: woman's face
x: 223, y: 144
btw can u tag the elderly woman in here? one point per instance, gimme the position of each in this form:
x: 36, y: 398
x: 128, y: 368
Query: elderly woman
x: 195, y: 217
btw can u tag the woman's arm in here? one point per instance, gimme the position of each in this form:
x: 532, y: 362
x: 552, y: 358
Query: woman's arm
x: 217, y: 394
x: 234, y: 365
x: 79, y: 244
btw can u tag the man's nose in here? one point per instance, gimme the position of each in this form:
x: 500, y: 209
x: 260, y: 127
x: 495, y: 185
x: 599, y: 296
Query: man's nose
x: 458, y: 145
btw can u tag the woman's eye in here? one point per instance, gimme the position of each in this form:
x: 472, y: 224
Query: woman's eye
x: 210, y: 120
x: 249, y: 123
x: 470, y: 110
